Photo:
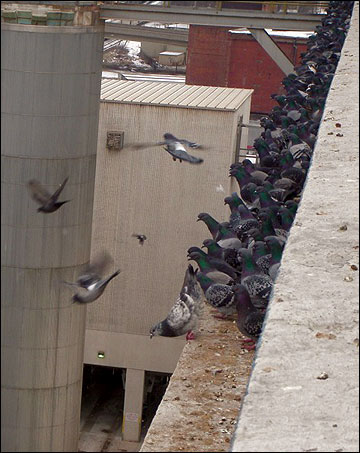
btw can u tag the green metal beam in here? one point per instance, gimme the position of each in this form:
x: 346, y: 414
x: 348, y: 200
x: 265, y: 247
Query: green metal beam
x: 272, y: 49
x: 151, y: 34
x: 234, y: 18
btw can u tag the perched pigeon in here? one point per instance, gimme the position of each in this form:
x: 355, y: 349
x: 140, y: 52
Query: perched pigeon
x: 141, y: 237
x: 192, y: 288
x: 90, y: 284
x: 217, y: 270
x: 212, y: 224
x: 250, y: 320
x: 181, y: 319
x: 175, y: 147
x: 218, y: 295
x: 184, y: 314
x: 48, y: 203
x: 258, y: 284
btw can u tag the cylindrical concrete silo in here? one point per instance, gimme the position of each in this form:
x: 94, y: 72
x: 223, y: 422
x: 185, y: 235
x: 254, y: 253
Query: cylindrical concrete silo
x: 50, y: 100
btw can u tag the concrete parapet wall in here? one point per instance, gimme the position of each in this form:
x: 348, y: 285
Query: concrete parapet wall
x: 312, y: 326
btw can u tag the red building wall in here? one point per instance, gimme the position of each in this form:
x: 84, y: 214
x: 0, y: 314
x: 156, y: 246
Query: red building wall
x: 219, y: 58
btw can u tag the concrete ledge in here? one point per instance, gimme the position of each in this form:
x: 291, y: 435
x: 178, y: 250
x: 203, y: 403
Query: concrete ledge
x: 303, y: 391
x: 199, y: 409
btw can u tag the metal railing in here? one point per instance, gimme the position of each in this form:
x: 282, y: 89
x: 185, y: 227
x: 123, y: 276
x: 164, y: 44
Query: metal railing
x: 286, y: 7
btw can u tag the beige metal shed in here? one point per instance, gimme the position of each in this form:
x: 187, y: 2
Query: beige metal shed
x: 145, y: 191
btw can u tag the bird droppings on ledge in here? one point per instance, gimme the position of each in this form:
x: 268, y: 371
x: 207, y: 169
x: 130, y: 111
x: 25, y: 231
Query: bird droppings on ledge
x: 201, y: 405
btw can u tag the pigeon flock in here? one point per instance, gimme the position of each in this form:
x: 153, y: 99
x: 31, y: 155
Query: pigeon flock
x: 237, y: 273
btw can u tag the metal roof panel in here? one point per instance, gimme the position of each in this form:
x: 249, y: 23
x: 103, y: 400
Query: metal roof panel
x: 176, y: 95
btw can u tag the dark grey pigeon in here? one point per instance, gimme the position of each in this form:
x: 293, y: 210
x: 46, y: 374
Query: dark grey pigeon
x: 48, y: 203
x: 218, y: 295
x: 90, y: 284
x: 175, y: 147
x: 250, y: 320
x: 141, y: 237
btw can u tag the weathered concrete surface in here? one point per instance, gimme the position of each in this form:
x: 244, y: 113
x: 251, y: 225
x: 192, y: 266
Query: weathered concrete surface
x: 200, y: 406
x: 312, y: 325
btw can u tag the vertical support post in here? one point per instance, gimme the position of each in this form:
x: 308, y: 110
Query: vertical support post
x: 134, y: 396
x: 238, y: 138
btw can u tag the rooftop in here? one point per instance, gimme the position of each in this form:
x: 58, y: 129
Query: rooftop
x: 173, y: 94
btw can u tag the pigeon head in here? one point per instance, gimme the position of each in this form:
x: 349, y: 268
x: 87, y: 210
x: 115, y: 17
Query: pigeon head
x: 208, y: 242
x: 228, y: 200
x: 168, y: 136
x: 156, y: 330
x: 196, y: 255
x: 195, y: 250
x: 76, y: 298
x: 202, y: 216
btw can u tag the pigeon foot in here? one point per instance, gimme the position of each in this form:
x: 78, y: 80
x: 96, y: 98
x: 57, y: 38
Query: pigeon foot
x: 220, y: 316
x: 249, y: 347
x: 190, y: 336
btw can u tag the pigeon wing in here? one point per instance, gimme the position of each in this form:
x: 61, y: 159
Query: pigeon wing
x: 99, y: 264
x: 183, y: 155
x: 38, y: 192
x: 253, y: 323
x: 56, y: 194
x: 144, y: 145
x: 180, y: 315
x: 191, y: 144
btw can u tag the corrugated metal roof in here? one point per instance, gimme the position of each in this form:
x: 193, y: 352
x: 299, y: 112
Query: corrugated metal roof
x: 173, y: 94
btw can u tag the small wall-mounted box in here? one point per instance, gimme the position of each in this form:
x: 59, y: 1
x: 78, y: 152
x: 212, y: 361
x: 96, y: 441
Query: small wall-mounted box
x: 115, y: 140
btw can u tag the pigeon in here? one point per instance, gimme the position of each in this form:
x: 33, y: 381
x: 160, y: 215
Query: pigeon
x: 141, y: 237
x: 184, y: 314
x: 90, y: 284
x: 276, y: 250
x: 212, y: 224
x: 175, y: 147
x: 258, y: 284
x: 192, y: 288
x: 48, y: 203
x: 218, y: 295
x: 249, y: 320
x: 181, y: 319
x: 210, y: 270
x: 210, y: 264
x: 228, y: 255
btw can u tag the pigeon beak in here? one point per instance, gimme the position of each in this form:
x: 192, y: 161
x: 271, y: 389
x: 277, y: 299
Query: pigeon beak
x: 203, y: 246
x: 198, y: 220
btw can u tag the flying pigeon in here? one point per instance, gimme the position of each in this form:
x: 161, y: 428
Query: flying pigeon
x: 141, y: 237
x: 48, y: 203
x: 175, y: 147
x: 90, y: 284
